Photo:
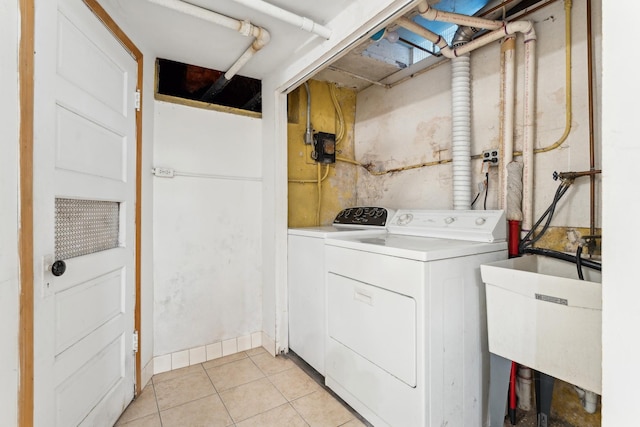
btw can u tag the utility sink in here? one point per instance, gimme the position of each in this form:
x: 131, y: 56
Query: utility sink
x: 539, y: 314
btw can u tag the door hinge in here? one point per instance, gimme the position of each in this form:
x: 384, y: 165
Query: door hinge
x: 135, y: 341
x: 137, y: 101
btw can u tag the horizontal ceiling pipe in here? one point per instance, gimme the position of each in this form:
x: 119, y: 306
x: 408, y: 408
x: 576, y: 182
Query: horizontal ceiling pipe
x: 525, y: 27
x: 201, y: 13
x: 246, y: 28
x: 301, y: 22
x: 432, y: 14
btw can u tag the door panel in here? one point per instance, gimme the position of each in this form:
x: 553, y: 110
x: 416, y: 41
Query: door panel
x: 84, y: 153
x: 85, y: 146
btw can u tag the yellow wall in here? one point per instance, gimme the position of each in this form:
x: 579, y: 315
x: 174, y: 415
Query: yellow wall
x: 566, y: 239
x: 338, y: 190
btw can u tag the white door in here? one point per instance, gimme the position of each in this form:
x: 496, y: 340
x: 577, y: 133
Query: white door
x: 84, y: 206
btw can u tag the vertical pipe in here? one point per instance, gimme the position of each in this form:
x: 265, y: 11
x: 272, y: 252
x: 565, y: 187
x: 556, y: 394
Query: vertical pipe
x: 461, y: 134
x: 507, y: 117
x: 592, y: 177
x: 529, y: 131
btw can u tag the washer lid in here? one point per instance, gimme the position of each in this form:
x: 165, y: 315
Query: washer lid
x: 413, y: 247
x: 325, y: 231
x: 481, y: 226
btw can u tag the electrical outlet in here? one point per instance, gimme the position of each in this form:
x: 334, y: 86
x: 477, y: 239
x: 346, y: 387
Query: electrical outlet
x: 490, y: 157
x: 163, y: 172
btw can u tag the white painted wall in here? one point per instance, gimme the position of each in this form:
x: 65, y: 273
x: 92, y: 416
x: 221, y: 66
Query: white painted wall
x: 621, y: 204
x: 9, y: 272
x: 207, y: 231
x: 411, y: 124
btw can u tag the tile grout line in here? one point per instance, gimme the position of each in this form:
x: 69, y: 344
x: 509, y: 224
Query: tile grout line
x: 155, y: 398
x: 233, y: 422
x: 288, y: 402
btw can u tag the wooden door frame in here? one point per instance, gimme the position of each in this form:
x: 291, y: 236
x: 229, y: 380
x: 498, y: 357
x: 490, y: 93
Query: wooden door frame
x: 25, y: 232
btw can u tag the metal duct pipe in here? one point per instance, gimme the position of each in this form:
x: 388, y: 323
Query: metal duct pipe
x: 301, y: 22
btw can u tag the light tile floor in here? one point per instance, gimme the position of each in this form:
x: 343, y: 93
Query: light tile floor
x: 245, y: 389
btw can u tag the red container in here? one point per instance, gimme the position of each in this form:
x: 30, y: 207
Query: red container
x: 514, y: 238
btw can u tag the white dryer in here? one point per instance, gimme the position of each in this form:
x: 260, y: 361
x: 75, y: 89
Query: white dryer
x: 406, y: 340
x: 306, y: 276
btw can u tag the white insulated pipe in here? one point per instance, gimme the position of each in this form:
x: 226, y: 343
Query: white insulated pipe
x: 510, y: 28
x: 262, y: 37
x: 432, y: 14
x: 201, y: 13
x: 508, y: 116
x: 245, y: 28
x: 301, y: 22
x: 529, y: 130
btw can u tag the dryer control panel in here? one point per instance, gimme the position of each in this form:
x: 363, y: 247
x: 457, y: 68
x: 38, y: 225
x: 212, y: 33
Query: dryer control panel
x: 475, y: 225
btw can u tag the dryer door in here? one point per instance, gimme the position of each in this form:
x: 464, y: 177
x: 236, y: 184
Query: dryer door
x: 376, y: 323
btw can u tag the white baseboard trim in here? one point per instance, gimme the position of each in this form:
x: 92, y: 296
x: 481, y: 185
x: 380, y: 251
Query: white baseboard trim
x: 193, y: 356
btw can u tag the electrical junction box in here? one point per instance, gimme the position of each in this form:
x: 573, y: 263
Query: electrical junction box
x: 490, y: 157
x: 324, y: 147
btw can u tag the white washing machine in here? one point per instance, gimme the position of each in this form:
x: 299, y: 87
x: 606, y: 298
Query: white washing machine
x: 406, y: 340
x: 306, y: 276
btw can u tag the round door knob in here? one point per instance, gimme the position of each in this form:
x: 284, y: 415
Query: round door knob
x: 58, y: 268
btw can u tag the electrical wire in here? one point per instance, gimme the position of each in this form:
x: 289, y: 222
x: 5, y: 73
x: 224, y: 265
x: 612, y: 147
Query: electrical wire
x: 340, y: 127
x: 486, y: 189
x: 310, y: 181
x: 319, y: 169
x: 475, y: 199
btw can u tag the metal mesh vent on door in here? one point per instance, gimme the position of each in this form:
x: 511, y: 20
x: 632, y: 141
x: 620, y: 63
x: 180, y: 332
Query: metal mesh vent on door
x: 85, y: 226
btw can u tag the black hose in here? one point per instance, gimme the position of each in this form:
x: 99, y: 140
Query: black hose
x: 579, y: 262
x: 486, y: 190
x: 527, y: 241
x: 564, y: 257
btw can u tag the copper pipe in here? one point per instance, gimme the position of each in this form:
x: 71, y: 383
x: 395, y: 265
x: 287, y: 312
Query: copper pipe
x: 592, y: 180
x: 573, y: 175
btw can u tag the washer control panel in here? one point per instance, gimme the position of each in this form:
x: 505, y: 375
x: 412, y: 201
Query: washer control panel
x: 475, y: 225
x: 363, y: 216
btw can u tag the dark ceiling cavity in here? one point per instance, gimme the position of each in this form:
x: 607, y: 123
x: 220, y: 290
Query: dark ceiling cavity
x: 192, y: 82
